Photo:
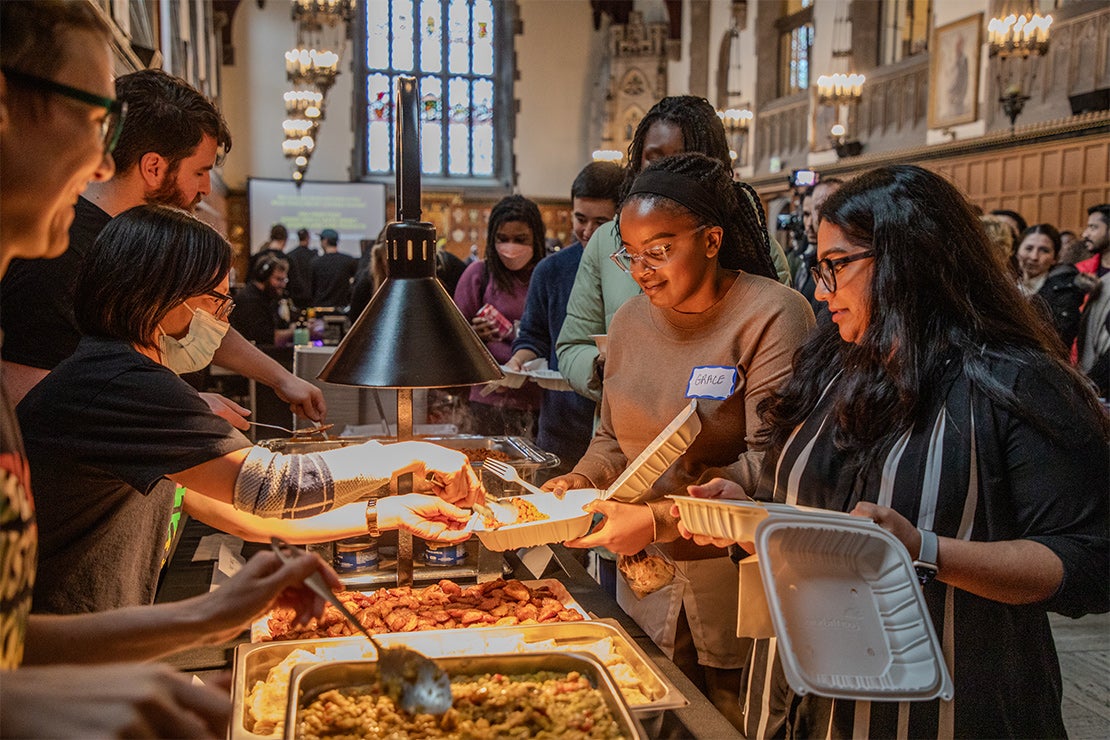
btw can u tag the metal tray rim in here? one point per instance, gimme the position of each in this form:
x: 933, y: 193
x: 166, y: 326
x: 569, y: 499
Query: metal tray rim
x: 556, y: 661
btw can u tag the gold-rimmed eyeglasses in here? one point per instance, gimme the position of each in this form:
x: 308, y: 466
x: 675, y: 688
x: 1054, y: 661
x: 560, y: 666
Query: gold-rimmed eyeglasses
x: 112, y: 124
x: 651, y: 258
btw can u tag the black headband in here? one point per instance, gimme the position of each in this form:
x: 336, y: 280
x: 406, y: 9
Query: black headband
x: 683, y: 190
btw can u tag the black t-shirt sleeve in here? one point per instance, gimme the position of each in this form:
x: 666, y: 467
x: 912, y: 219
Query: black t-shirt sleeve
x: 36, y: 311
x: 145, y: 424
x: 1059, y: 481
x: 253, y: 317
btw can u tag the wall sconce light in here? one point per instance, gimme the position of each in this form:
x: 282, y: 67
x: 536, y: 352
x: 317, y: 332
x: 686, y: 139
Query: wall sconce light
x: 1017, y: 42
x: 608, y: 155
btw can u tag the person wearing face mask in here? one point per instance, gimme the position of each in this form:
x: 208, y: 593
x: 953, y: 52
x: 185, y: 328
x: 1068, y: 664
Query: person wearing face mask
x: 112, y: 429
x: 491, y: 294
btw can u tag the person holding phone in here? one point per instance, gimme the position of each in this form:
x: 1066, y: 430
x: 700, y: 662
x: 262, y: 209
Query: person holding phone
x: 491, y: 294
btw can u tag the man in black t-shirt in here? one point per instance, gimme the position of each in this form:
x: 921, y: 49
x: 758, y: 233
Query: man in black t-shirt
x: 332, y: 273
x: 300, y: 259
x: 256, y: 303
x: 36, y: 313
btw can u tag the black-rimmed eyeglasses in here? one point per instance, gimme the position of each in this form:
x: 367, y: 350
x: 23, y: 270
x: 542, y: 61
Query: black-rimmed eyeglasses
x: 825, y: 271
x: 112, y: 124
x: 225, y: 306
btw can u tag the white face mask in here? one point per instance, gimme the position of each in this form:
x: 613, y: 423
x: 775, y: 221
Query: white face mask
x: 515, y: 256
x: 197, y: 348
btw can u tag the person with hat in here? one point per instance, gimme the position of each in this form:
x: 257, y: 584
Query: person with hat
x: 332, y: 273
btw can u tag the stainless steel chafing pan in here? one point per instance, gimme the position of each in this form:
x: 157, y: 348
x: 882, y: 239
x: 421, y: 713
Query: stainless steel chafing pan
x: 309, y: 681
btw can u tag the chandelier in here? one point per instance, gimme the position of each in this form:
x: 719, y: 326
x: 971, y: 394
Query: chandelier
x: 304, y: 104
x: 316, y: 14
x: 312, y: 68
x: 1015, y: 43
x: 840, y: 88
x: 1018, y: 35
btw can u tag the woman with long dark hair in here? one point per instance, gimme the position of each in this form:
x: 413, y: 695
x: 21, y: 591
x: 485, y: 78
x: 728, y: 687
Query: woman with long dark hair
x: 713, y: 324
x: 491, y: 295
x: 939, y: 405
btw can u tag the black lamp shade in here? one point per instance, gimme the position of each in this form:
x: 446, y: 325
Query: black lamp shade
x: 411, y: 336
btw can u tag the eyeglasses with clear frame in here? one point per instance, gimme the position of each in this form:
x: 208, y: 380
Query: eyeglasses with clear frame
x: 226, y: 304
x: 825, y: 270
x: 651, y: 258
x: 112, y: 124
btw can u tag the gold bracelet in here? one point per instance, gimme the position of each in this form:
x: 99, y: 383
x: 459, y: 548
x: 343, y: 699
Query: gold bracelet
x: 372, y: 517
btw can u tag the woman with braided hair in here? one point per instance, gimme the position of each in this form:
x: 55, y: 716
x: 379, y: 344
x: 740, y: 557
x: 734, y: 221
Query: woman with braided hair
x: 715, y: 325
x: 676, y: 124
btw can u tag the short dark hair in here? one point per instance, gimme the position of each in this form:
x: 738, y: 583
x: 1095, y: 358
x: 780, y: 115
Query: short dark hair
x: 278, y: 231
x: 744, y: 246
x: 1017, y: 217
x: 1048, y: 230
x: 146, y: 262
x: 1103, y: 209
x: 601, y: 180
x: 265, y: 265
x: 167, y: 116
x: 303, y: 234
x: 32, y: 33
x: 702, y: 130
x: 513, y: 208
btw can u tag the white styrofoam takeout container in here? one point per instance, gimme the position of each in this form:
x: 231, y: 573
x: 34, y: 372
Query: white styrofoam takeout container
x: 841, y: 595
x: 632, y: 485
x: 566, y: 521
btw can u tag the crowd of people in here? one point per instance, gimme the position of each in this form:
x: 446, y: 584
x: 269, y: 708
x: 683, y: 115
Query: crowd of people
x: 906, y: 359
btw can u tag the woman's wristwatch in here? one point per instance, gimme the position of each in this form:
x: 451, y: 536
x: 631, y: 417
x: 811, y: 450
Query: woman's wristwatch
x: 372, y: 517
x: 926, y: 563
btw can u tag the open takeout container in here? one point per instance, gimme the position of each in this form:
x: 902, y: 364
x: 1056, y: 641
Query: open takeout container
x: 840, y: 594
x: 632, y: 485
x: 309, y: 681
x: 565, y: 521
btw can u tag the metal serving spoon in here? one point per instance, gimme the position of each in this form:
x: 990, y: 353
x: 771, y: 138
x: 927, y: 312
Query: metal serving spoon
x: 308, y: 432
x: 414, y: 682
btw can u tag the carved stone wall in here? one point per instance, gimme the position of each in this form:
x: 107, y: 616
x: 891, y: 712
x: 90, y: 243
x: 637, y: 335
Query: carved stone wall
x: 638, y: 55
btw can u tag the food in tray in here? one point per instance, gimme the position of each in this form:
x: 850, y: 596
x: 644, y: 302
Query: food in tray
x: 266, y: 699
x: 518, y: 510
x: 445, y: 605
x: 545, y: 704
x: 478, y: 454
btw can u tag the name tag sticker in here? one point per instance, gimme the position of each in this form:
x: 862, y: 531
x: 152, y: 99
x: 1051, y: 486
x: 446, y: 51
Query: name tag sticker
x: 712, y: 381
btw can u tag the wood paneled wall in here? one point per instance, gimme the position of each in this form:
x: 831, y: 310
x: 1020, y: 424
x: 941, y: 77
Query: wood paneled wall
x: 1046, y: 183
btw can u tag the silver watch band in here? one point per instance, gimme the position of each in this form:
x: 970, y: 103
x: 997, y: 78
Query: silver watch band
x: 926, y: 562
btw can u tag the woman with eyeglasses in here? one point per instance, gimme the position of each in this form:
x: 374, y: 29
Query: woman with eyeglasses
x: 940, y: 406
x: 712, y: 324
x: 112, y: 429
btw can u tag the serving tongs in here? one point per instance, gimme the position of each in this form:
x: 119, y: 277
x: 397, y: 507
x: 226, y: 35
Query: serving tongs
x: 414, y: 682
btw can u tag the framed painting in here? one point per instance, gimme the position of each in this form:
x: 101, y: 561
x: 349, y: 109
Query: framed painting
x: 954, y: 72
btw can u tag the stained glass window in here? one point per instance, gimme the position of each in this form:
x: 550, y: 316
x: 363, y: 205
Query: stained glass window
x: 454, y: 48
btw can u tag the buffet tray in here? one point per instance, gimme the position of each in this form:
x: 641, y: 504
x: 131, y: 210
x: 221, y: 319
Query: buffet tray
x: 308, y: 682
x: 522, y: 454
x: 260, y: 629
x: 253, y: 662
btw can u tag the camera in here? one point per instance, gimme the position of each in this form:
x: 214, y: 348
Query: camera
x: 790, y: 222
x: 803, y: 178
